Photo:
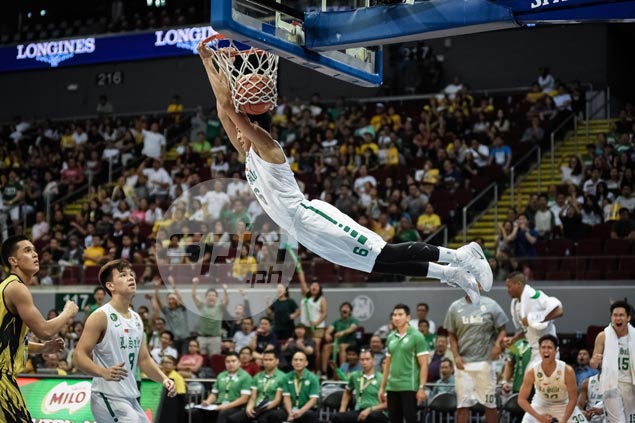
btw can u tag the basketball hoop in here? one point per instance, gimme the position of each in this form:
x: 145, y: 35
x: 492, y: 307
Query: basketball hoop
x: 252, y: 73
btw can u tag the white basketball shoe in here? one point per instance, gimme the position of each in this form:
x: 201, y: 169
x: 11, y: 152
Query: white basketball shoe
x: 455, y: 276
x: 472, y: 258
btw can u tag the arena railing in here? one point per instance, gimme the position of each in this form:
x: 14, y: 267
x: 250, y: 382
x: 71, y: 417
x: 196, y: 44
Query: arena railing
x: 493, y: 186
x: 512, y: 171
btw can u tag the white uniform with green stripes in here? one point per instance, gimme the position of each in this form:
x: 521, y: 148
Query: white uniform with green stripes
x: 117, y: 401
x: 317, y: 225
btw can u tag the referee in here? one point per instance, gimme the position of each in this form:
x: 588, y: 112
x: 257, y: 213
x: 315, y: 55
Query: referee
x: 406, y: 357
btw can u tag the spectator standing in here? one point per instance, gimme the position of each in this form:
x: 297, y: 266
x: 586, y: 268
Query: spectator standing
x: 283, y: 311
x: 500, y: 155
x: 175, y: 314
x: 422, y: 313
x: 210, y: 323
x: 153, y: 142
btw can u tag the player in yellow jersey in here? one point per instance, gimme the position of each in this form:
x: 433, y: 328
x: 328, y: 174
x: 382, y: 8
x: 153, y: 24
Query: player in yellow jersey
x: 18, y: 315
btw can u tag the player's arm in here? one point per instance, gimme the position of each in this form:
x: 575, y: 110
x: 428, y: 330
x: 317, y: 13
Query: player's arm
x: 226, y: 295
x: 276, y: 400
x: 554, y: 314
x: 454, y: 347
x: 94, y: 330
x: 508, y: 371
x: 423, y: 376
x: 152, y: 370
x: 523, y: 395
x: 384, y: 380
x: 346, y: 397
x: 288, y: 406
x: 19, y: 299
x: 572, y: 390
x: 583, y: 396
x: 230, y: 129
x: 172, y: 284
x: 54, y: 345
x: 598, y: 351
x: 497, y: 348
x: 238, y: 402
x: 195, y: 297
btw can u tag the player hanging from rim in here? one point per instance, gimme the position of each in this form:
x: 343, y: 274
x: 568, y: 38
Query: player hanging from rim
x: 321, y: 227
x: 111, y: 347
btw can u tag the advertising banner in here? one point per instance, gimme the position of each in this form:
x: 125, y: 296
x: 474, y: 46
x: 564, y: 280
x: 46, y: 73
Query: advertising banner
x: 67, y: 400
x: 103, y: 49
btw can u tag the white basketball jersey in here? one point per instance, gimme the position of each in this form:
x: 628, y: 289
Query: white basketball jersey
x: 550, y: 389
x: 623, y: 361
x: 275, y: 188
x: 594, y: 394
x: 121, y: 344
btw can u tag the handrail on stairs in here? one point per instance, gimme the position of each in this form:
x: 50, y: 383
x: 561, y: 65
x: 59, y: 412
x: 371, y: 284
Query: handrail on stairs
x: 433, y: 235
x: 494, y: 186
x: 512, y: 172
x: 604, y: 107
x: 553, y: 139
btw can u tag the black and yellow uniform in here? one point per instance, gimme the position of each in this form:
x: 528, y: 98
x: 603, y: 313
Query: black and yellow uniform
x: 13, y: 353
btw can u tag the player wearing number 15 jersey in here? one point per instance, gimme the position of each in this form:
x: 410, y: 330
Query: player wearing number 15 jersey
x: 113, y: 335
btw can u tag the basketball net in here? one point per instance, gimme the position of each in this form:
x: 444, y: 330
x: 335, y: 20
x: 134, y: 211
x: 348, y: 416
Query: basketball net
x: 237, y: 61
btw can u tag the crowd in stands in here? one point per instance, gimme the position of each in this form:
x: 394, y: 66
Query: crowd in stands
x: 402, y: 170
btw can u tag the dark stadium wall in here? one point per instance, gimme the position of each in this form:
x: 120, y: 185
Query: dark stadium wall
x: 584, y: 305
x: 621, y: 55
x: 512, y: 57
x: 487, y: 60
x: 146, y: 86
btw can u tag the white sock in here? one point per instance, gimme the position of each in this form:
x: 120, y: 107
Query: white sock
x: 436, y: 271
x: 446, y: 255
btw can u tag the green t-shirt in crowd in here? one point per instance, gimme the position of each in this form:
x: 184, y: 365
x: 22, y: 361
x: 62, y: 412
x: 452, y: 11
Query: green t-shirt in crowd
x: 365, y: 388
x: 301, y: 389
x: 211, y: 319
x: 268, y: 385
x: 10, y: 190
x: 404, y: 351
x: 229, y: 387
x: 340, y: 325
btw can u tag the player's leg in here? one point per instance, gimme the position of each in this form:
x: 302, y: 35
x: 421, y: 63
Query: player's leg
x: 377, y: 417
x: 109, y: 409
x: 394, y: 257
x: 627, y: 392
x: 464, y: 384
x: 485, y: 391
x: 336, y: 237
x: 395, y: 408
x: 347, y: 417
x: 12, y: 404
x: 614, y: 407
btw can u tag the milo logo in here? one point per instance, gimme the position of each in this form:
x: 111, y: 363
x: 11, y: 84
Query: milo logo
x: 67, y: 397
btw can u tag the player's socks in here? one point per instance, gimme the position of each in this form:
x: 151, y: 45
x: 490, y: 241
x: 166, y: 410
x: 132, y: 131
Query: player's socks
x: 436, y: 271
x: 446, y: 255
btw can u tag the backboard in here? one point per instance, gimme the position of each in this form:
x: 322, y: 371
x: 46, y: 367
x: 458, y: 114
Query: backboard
x: 279, y: 28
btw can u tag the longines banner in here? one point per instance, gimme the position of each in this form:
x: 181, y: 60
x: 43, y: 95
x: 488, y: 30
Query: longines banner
x: 63, y: 400
x: 103, y: 49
